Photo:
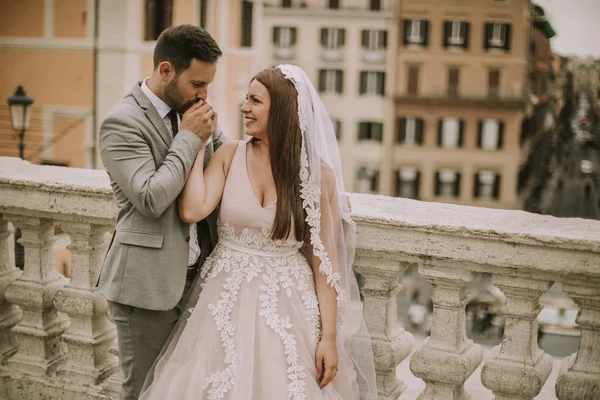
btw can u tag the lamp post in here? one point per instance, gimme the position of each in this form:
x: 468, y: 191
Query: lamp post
x: 20, y: 115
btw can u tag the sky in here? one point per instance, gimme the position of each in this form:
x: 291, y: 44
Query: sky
x: 577, y: 26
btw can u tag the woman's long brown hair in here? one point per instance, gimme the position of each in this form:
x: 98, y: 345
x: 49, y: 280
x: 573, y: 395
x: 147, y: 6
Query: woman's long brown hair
x: 285, y: 141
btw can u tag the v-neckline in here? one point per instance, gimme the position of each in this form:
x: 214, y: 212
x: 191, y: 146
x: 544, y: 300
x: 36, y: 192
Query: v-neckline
x: 250, y: 182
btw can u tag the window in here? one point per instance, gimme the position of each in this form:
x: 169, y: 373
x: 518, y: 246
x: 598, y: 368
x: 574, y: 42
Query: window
x: 370, y: 131
x: 450, y: 133
x: 456, y: 34
x: 284, y: 36
x: 497, y: 36
x: 372, y: 83
x: 407, y: 183
x: 486, y: 185
x: 491, y: 134
x: 334, y: 4
x: 413, y: 79
x: 375, y: 5
x: 367, y: 180
x: 286, y: 3
x: 331, y: 80
x: 447, y: 183
x: 246, y: 24
x: 159, y: 16
x: 337, y: 128
x: 453, y: 81
x: 203, y: 13
x: 332, y: 38
x: 416, y: 32
x: 410, y: 131
x: 374, y: 40
x: 494, y: 83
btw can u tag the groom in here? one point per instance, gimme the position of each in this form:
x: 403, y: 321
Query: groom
x: 148, y: 143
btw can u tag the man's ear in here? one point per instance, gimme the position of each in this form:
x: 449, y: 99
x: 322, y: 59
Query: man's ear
x: 165, y: 70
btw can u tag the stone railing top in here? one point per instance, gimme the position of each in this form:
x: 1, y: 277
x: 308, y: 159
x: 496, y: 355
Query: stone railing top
x: 14, y: 171
x: 484, y: 223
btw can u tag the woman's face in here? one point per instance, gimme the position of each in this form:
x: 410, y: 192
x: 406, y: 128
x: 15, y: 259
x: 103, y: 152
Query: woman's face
x: 256, y: 110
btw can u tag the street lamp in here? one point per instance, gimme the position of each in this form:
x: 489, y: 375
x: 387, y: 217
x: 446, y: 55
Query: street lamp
x: 20, y: 114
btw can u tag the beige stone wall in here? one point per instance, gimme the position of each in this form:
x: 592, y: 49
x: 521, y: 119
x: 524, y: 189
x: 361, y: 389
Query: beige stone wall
x: 71, y: 18
x: 23, y: 18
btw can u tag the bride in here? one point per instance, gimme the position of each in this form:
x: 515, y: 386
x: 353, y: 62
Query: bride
x: 275, y: 313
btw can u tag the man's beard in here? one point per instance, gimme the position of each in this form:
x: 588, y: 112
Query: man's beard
x: 174, y: 99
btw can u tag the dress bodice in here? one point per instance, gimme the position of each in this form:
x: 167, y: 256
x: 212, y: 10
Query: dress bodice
x: 242, y: 220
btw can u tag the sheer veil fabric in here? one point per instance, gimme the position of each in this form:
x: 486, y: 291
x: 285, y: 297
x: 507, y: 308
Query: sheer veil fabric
x: 332, y: 242
x: 333, y: 233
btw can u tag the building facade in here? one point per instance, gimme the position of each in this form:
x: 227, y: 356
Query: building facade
x: 460, y: 92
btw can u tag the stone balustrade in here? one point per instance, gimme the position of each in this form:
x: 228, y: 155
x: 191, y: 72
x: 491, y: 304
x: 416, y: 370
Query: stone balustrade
x: 56, y: 341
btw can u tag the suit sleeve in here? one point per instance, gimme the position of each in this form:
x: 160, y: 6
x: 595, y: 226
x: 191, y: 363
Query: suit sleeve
x: 219, y: 138
x: 127, y: 157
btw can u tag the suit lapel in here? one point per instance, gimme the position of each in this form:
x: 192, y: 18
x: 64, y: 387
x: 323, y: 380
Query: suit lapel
x: 151, y: 113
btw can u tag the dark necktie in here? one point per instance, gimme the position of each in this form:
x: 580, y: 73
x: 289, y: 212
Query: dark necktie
x: 173, y: 118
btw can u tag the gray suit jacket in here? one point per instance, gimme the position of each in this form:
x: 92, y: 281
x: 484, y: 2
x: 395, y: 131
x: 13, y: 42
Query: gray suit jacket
x: 146, y: 263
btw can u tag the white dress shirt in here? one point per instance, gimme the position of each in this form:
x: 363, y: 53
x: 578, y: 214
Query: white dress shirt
x: 163, y: 109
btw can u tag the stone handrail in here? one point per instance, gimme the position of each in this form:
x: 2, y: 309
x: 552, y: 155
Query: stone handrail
x: 55, y: 337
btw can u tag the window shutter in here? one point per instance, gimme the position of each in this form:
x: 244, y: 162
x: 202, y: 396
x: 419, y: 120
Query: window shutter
x: 497, y: 187
x: 363, y: 82
x: 457, y: 185
x: 167, y: 16
x: 381, y: 83
x: 378, y: 132
x: 293, y: 36
x: 440, y: 131
x: 150, y: 33
x: 480, y: 134
x: 276, y: 35
x: 401, y: 130
x: 437, y: 184
x: 324, y: 37
x: 339, y: 81
x: 425, y: 27
x: 322, y: 77
x: 385, y: 38
x: 342, y: 37
x: 507, y: 31
x: 500, y: 135
x: 419, y: 135
x: 417, y: 184
x: 406, y: 30
x: 461, y: 131
x: 467, y: 26
x: 488, y: 35
x: 476, y: 186
x: 447, y: 33
x: 365, y: 38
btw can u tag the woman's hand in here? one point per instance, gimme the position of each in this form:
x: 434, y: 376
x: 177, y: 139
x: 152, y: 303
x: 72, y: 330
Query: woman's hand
x: 327, y: 361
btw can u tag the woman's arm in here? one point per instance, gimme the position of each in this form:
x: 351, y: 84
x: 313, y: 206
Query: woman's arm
x: 204, y: 187
x: 327, y: 356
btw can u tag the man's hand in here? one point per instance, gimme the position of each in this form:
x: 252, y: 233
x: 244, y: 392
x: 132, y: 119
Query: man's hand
x: 200, y: 119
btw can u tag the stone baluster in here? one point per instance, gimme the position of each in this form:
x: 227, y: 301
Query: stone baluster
x: 447, y: 358
x: 519, y: 368
x: 40, y: 349
x: 10, y: 314
x: 391, y: 343
x: 90, y: 335
x: 579, y: 377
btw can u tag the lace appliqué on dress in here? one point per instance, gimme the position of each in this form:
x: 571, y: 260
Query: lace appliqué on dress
x: 255, y: 255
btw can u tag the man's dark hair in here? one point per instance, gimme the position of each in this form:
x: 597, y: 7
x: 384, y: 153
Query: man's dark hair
x: 182, y: 43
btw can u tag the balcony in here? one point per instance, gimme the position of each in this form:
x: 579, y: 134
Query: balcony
x: 481, y: 97
x: 56, y: 341
x: 284, y: 53
x: 332, y: 54
x: 373, y: 56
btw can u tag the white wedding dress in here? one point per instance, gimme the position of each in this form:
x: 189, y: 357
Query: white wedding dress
x: 254, y: 330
